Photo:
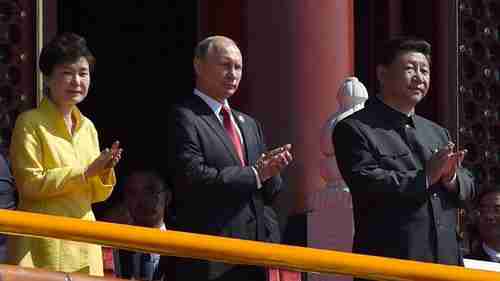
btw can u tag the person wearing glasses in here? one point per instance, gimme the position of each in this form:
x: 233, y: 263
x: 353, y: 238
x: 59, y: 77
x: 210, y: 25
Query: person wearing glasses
x: 488, y: 227
x: 147, y: 199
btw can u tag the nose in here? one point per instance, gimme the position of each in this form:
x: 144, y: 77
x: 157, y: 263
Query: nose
x: 75, y: 79
x: 418, y: 76
x: 231, y: 73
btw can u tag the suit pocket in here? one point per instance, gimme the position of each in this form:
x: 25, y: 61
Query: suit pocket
x: 397, y: 160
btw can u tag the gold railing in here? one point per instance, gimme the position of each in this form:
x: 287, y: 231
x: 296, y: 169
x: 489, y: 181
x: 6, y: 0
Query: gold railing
x: 229, y: 250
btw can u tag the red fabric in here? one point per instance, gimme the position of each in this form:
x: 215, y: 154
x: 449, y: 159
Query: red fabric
x: 276, y: 274
x: 107, y: 256
x: 232, y: 133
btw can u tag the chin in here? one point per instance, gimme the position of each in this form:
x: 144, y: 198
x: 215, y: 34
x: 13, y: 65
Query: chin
x: 416, y: 98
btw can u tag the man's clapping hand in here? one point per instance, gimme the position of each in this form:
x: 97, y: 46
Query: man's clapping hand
x: 443, y: 164
x: 273, y: 162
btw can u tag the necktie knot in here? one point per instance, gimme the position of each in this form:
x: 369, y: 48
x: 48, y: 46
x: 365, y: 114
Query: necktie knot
x: 224, y: 111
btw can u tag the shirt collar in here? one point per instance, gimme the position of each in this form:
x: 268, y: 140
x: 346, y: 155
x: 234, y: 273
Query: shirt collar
x: 391, y: 115
x: 211, y: 102
x: 492, y: 253
x: 49, y: 108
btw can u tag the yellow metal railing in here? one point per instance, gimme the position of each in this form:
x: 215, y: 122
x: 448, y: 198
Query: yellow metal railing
x: 229, y: 250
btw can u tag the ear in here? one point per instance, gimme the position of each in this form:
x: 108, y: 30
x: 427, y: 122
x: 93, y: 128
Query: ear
x: 381, y: 74
x: 197, y: 66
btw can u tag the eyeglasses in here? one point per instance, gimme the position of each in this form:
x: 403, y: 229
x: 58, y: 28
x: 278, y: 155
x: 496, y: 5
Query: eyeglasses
x: 489, y: 211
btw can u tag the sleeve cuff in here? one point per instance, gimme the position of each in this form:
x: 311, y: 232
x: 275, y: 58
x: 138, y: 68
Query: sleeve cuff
x: 259, y: 183
x: 452, y: 184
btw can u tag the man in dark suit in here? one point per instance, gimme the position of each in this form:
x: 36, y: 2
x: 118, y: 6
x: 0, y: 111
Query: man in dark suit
x: 147, y: 199
x: 488, y: 226
x: 402, y: 170
x: 7, y: 199
x: 223, y: 179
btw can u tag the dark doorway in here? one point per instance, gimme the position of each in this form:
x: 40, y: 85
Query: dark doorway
x: 144, y: 53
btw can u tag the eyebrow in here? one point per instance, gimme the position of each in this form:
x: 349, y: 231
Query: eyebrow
x: 71, y: 68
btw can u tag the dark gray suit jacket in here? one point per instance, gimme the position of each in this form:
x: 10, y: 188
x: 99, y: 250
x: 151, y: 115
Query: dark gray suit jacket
x: 7, y: 198
x: 213, y: 193
x: 395, y: 214
x: 137, y: 265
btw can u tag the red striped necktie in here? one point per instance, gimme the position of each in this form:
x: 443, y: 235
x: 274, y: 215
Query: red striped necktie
x: 232, y: 133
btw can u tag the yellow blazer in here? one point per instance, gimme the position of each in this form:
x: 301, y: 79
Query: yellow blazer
x: 48, y: 165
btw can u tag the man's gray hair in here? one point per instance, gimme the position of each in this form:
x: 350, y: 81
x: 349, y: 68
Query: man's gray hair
x: 201, y: 50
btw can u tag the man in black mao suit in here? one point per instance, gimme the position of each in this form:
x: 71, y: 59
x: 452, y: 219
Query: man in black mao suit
x: 402, y: 170
x: 223, y: 184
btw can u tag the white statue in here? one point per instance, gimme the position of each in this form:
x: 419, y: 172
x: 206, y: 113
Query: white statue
x: 330, y: 223
x: 351, y: 97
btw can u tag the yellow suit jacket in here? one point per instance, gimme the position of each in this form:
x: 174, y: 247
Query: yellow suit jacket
x: 48, y: 165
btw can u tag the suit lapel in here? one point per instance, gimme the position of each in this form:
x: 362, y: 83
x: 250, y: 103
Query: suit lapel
x: 249, y: 141
x: 220, y: 131
x: 206, y: 114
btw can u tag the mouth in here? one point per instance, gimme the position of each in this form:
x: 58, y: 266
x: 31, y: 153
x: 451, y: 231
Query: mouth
x: 230, y: 86
x: 416, y: 89
x: 73, y: 92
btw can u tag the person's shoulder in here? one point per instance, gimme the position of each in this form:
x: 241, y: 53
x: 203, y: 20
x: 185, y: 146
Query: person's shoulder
x: 188, y: 104
x: 477, y: 253
x: 422, y: 121
x: 30, y: 116
x: 362, y: 116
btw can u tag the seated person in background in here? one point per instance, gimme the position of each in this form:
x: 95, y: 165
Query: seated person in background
x: 488, y: 226
x: 7, y: 199
x: 146, y: 197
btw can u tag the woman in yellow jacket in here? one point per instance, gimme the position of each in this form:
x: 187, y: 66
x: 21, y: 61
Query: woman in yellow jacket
x: 56, y: 160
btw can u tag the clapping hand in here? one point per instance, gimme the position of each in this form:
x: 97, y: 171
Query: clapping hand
x: 454, y: 162
x: 106, y: 160
x: 443, y: 164
x: 116, y: 154
x: 272, y: 162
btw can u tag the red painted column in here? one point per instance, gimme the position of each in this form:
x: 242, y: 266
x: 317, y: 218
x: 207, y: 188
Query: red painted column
x: 296, y: 56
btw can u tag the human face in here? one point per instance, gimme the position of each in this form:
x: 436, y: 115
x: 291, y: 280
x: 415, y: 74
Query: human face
x: 69, y: 83
x: 405, y: 82
x: 145, y: 201
x: 219, y: 73
x: 489, y: 217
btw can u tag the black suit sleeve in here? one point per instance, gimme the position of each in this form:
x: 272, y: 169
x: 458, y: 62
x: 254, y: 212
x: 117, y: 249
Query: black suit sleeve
x: 7, y: 189
x: 363, y: 172
x: 272, y: 186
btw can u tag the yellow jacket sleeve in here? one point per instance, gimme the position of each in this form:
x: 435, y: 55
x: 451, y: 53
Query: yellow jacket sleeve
x: 33, y: 179
x: 102, y: 185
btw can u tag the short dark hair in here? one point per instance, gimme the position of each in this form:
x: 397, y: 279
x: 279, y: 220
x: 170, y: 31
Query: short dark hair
x: 395, y: 46
x: 151, y: 181
x: 64, y: 48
